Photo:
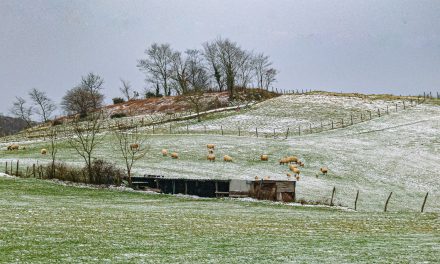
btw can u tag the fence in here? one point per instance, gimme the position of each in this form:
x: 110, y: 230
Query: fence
x: 160, y: 123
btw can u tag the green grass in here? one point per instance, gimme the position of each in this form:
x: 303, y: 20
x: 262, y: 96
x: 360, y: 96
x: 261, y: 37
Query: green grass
x: 43, y: 222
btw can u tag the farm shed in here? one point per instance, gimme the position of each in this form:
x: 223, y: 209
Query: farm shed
x: 262, y: 189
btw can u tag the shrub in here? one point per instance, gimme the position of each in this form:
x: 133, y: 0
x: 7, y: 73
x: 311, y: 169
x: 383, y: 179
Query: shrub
x: 118, y: 100
x: 152, y: 95
x: 105, y: 173
x: 118, y: 115
x: 57, y: 122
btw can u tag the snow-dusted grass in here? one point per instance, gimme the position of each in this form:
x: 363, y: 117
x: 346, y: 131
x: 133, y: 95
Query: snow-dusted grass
x: 399, y: 152
x: 292, y: 111
x: 44, y: 222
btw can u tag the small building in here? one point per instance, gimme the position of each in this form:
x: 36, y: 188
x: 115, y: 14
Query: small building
x: 273, y: 190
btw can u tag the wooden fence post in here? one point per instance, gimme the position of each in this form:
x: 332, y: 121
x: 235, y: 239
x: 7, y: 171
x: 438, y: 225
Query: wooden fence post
x: 356, y: 200
x: 33, y: 170
x: 333, y: 195
x: 424, y: 201
x: 16, y: 170
x: 351, y: 118
x: 342, y: 122
x: 386, y: 203
x: 287, y: 133
x: 310, y: 125
x: 404, y: 107
x: 362, y: 118
x: 396, y: 107
x: 274, y: 133
x: 332, y: 124
x: 370, y: 113
x: 378, y: 112
x: 187, y: 129
x: 6, y: 170
x: 256, y: 131
x: 170, y: 128
x: 221, y: 128
x: 153, y: 129
x: 387, y: 110
x: 299, y: 130
x: 238, y: 131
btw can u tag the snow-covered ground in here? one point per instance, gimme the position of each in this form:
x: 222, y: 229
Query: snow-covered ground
x: 399, y: 152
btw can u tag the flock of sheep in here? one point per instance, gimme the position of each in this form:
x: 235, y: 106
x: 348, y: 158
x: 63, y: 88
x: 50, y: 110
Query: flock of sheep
x: 17, y: 147
x: 292, y: 161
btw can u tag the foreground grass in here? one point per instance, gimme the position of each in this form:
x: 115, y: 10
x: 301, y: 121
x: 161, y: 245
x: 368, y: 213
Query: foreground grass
x: 43, y: 222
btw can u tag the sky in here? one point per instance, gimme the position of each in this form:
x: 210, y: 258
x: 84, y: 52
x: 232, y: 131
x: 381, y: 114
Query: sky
x: 388, y: 46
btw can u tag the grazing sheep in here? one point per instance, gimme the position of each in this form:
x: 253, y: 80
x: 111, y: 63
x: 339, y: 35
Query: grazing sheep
x: 264, y: 157
x: 164, y: 152
x: 284, y: 161
x: 292, y: 159
x: 266, y: 178
x: 292, y: 167
x: 210, y: 151
x: 256, y: 178
x: 300, y: 163
x: 43, y: 151
x: 296, y: 171
x: 211, y: 157
x: 13, y: 147
x: 288, y: 175
x: 210, y: 146
x: 174, y: 155
x: 324, y: 170
x: 134, y: 146
x: 297, y: 177
x: 227, y: 158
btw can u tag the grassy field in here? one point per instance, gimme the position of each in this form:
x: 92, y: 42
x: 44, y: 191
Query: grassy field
x: 44, y: 222
x: 398, y: 153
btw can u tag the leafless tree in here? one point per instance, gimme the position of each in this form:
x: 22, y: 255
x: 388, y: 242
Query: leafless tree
x: 86, y: 138
x: 244, y: 73
x: 126, y: 89
x: 211, y: 55
x: 44, y: 106
x: 131, y: 145
x: 199, y: 81
x: 261, y: 65
x: 178, y: 73
x: 229, y: 54
x: 158, y: 65
x: 269, y: 78
x: 20, y: 110
x: 53, y: 150
x: 78, y: 100
x: 93, y: 84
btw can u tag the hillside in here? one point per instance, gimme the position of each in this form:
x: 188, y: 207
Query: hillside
x: 398, y: 151
x: 11, y: 125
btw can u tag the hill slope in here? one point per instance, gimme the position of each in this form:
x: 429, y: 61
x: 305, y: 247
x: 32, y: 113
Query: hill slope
x: 398, y: 152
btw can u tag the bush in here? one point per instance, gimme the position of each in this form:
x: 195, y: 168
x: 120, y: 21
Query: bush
x: 118, y: 115
x: 102, y: 173
x: 57, y: 122
x: 105, y: 173
x: 118, y: 100
x: 152, y: 95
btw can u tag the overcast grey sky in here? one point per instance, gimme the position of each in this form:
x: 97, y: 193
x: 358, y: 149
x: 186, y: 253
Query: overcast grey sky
x: 362, y: 46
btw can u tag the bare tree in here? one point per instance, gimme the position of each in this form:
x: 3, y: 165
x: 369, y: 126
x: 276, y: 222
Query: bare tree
x: 178, y: 73
x: 20, y: 110
x: 199, y: 81
x: 229, y: 54
x: 44, y: 105
x: 79, y: 100
x: 211, y: 55
x: 269, y: 78
x: 86, y: 138
x: 53, y: 150
x: 244, y: 73
x: 261, y: 65
x: 126, y: 89
x: 93, y: 84
x: 158, y: 66
x: 131, y: 145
